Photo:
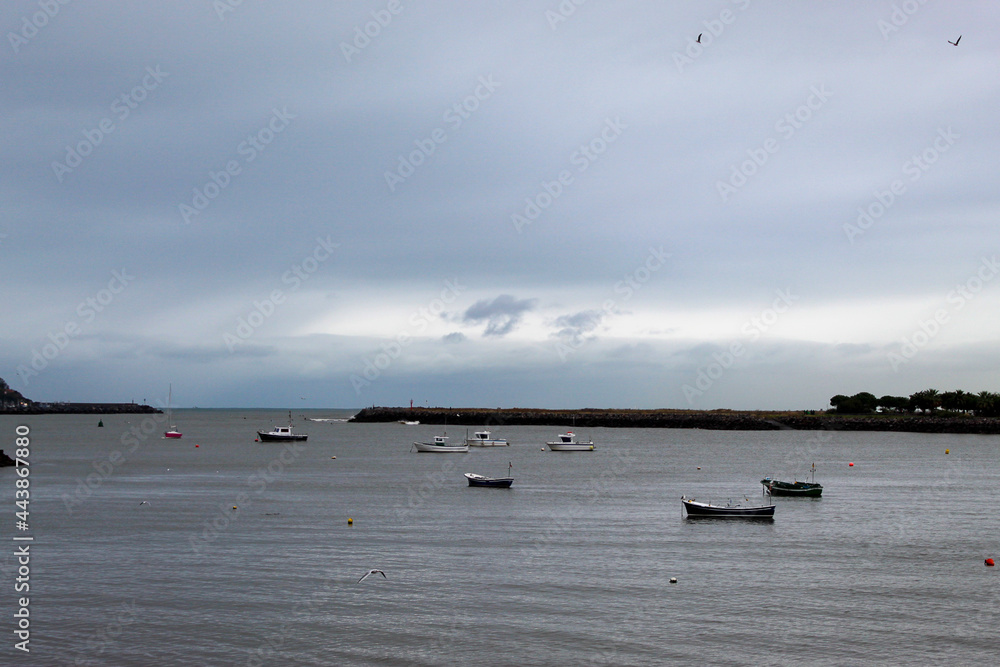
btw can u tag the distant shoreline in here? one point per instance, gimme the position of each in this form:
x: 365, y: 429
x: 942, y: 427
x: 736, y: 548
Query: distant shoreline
x: 79, y: 409
x: 729, y: 420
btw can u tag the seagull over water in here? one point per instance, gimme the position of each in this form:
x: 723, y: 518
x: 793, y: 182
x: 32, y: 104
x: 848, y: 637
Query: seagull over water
x: 144, y: 502
x: 955, y: 43
x: 370, y: 573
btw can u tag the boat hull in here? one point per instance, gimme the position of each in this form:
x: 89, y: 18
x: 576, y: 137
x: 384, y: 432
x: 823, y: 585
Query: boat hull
x: 172, y: 434
x: 800, y: 489
x: 701, y: 510
x: 429, y: 448
x: 574, y: 447
x: 271, y: 437
x: 488, y: 443
x: 489, y: 482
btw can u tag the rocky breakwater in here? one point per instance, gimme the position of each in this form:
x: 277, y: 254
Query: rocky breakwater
x: 729, y: 420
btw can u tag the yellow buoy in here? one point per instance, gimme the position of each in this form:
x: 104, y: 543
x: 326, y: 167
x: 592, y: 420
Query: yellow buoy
x: 333, y: 457
x: 946, y: 451
x: 350, y: 521
x: 234, y: 506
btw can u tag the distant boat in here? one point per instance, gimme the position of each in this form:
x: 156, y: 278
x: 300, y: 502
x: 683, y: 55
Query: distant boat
x: 281, y: 433
x: 484, y: 439
x: 409, y: 423
x: 801, y: 489
x: 567, y: 442
x: 171, y: 432
x: 440, y: 446
x: 698, y: 510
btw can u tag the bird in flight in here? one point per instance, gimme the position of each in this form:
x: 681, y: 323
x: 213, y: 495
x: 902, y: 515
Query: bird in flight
x: 370, y: 573
x: 955, y: 43
x: 144, y: 502
x: 701, y: 33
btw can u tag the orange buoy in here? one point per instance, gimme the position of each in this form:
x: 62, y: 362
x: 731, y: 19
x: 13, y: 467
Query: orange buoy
x: 989, y: 562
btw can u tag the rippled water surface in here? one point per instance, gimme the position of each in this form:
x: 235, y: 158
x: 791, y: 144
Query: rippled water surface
x: 571, y: 566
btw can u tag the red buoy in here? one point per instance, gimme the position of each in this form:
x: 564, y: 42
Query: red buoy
x: 989, y: 562
x: 851, y: 464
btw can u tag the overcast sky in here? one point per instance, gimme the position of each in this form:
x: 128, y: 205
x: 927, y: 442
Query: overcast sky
x: 339, y: 204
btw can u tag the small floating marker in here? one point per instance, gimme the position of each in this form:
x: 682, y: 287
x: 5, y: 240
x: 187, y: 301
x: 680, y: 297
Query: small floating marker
x: 673, y: 580
x: 851, y: 464
x: 989, y: 562
x: 699, y: 467
x: 100, y: 423
x: 196, y: 445
x: 234, y: 506
x: 333, y: 457
x: 350, y: 521
x: 947, y: 451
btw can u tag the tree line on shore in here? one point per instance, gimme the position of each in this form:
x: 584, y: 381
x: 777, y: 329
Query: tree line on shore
x: 983, y: 404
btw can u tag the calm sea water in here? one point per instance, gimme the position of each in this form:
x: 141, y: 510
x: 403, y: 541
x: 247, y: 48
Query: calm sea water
x: 571, y: 566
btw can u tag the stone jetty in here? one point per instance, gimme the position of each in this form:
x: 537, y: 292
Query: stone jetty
x: 729, y: 420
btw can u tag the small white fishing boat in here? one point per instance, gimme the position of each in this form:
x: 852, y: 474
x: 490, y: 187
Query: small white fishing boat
x: 439, y: 446
x: 567, y: 442
x: 485, y: 439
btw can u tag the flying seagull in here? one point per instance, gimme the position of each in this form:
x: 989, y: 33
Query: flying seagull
x: 701, y: 33
x: 370, y: 573
x: 144, y: 502
x: 955, y: 43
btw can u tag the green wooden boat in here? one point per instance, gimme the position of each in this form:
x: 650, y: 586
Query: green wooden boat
x: 802, y: 489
